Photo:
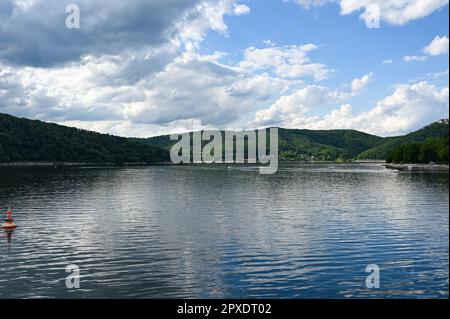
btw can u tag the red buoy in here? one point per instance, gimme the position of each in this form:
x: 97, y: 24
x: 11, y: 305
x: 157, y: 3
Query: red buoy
x: 9, y: 222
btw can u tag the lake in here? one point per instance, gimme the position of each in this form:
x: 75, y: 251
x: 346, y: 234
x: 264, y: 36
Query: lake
x: 210, y: 231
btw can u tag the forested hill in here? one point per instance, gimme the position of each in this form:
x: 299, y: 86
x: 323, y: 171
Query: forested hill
x: 329, y: 145
x: 436, y: 129
x: 324, y: 144
x: 332, y: 145
x: 432, y: 150
x: 28, y: 140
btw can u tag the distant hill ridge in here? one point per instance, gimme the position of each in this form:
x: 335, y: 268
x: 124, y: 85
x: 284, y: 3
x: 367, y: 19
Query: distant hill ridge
x: 335, y: 145
x: 436, y: 129
x: 30, y: 140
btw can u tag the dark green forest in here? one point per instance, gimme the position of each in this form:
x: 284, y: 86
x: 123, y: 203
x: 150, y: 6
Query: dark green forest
x: 332, y: 145
x: 27, y: 140
x: 436, y: 129
x: 335, y: 145
x: 432, y: 150
x: 307, y: 144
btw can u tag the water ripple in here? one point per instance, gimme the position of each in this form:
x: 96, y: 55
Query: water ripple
x: 211, y: 232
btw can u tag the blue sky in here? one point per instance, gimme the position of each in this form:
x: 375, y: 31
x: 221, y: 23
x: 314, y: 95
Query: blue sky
x: 155, y: 67
x: 345, y: 43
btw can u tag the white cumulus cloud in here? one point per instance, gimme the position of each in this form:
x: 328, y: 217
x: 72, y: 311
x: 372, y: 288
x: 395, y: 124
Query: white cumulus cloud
x: 409, y: 107
x: 287, y: 61
x: 361, y: 83
x: 394, y: 12
x: 438, y: 46
x: 241, y: 9
x: 414, y: 58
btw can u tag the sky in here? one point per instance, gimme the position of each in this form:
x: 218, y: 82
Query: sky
x: 153, y: 67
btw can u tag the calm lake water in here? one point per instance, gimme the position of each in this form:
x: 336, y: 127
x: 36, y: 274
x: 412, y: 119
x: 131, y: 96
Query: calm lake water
x: 211, y: 232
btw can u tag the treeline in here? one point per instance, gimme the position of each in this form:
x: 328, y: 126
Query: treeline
x: 328, y: 145
x: 299, y: 145
x: 436, y: 129
x: 27, y: 140
x: 432, y: 150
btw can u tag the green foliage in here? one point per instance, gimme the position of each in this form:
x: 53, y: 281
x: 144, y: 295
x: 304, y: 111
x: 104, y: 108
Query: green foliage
x: 381, y: 151
x: 329, y: 145
x: 433, y: 149
x: 443, y: 154
x: 334, y: 145
x: 410, y: 153
x: 342, y: 145
x: 26, y: 140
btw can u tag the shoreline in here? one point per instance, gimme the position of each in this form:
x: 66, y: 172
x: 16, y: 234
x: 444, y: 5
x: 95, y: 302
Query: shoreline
x: 419, y: 167
x: 400, y: 167
x: 137, y: 164
x: 79, y: 164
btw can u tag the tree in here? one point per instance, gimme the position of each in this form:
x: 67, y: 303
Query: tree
x: 427, y: 153
x: 433, y: 149
x: 443, y: 154
x: 410, y: 153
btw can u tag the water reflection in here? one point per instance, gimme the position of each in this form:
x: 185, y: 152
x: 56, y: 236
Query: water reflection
x: 8, y: 236
x: 206, y: 231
